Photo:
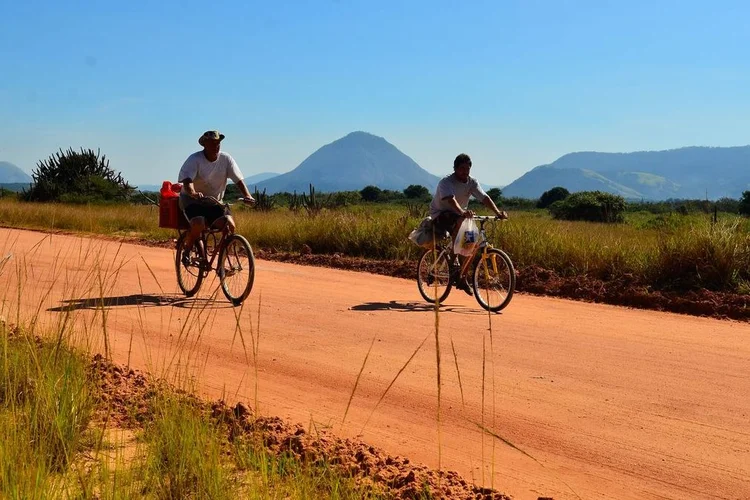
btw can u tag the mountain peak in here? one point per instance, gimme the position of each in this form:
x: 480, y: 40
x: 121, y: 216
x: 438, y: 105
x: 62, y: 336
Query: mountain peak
x: 10, y: 173
x: 350, y: 163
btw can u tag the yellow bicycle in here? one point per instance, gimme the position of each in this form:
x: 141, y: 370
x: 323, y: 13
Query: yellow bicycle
x: 493, y: 275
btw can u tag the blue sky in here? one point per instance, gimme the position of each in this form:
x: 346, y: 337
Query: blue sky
x: 515, y: 84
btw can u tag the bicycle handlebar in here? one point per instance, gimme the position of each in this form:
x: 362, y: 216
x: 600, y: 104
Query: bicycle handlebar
x: 488, y: 217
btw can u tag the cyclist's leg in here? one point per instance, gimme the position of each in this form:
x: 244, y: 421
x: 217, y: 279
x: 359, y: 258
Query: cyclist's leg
x: 197, y: 225
x: 218, y: 217
x: 451, y: 221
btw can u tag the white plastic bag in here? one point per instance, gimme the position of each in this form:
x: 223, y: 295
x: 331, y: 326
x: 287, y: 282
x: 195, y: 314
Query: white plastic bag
x: 467, y: 238
x: 422, y: 235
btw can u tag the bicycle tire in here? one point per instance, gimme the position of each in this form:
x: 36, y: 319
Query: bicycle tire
x: 481, y: 273
x: 223, y: 268
x: 186, y: 273
x: 428, y: 289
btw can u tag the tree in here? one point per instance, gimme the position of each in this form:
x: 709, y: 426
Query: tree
x: 744, y: 207
x: 549, y: 197
x: 370, y: 193
x: 495, y: 194
x: 77, y: 177
x: 416, y: 191
x: 594, y: 206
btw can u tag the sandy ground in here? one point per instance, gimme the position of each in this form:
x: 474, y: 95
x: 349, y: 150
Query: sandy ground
x: 577, y: 400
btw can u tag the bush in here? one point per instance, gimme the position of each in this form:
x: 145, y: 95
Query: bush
x: 549, y: 197
x: 416, y: 191
x: 495, y: 195
x: 78, y: 178
x: 744, y: 205
x: 370, y: 193
x: 593, y: 206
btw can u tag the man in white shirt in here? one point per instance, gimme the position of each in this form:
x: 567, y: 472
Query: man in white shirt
x: 450, y: 204
x: 204, y: 177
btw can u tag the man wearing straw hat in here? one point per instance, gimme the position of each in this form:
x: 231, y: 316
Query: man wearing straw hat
x: 204, y: 177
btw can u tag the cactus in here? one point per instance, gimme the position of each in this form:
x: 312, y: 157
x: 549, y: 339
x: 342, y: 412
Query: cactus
x: 263, y: 202
x: 315, y: 203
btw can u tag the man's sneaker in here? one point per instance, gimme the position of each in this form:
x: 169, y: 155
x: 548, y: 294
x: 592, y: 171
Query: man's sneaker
x: 463, y: 284
x: 185, y: 258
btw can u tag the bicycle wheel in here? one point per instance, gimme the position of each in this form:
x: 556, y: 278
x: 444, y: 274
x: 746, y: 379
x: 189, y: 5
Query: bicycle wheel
x: 494, y: 280
x: 434, y: 275
x: 236, y: 269
x: 188, y: 267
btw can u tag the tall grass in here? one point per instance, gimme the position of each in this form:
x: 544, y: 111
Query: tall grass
x: 46, y: 403
x: 663, y: 251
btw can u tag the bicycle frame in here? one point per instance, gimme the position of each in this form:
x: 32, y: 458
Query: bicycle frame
x: 217, y: 245
x: 483, y: 245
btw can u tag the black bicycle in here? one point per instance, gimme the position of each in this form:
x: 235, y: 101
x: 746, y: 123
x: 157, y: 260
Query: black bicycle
x: 228, y: 254
x: 492, y: 272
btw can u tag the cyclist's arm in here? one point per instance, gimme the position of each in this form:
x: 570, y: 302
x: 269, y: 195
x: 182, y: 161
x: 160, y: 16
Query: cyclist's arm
x: 487, y: 202
x: 243, y: 189
x: 189, y: 188
x: 451, y: 200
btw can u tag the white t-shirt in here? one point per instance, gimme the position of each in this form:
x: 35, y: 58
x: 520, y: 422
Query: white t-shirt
x: 210, y: 177
x: 448, y: 186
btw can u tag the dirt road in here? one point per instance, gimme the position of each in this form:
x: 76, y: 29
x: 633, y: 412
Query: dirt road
x: 596, y: 401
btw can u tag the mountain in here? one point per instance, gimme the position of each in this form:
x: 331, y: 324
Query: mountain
x: 10, y: 173
x: 691, y: 172
x: 256, y: 178
x: 348, y: 164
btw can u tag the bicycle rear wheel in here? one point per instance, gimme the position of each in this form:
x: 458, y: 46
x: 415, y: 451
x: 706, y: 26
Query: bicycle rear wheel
x: 434, y: 275
x: 236, y: 269
x: 494, y: 280
x: 188, y: 264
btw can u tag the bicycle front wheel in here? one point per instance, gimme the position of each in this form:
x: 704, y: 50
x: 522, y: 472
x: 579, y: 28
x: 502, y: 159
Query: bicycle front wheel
x: 434, y: 276
x: 494, y: 280
x: 188, y: 264
x: 236, y: 269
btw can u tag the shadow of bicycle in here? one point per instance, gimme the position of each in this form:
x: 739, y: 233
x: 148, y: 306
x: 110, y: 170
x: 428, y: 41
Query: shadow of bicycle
x: 395, y: 305
x: 141, y: 300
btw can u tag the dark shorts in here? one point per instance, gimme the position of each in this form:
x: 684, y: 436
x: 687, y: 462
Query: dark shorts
x: 206, y: 209
x: 446, y: 221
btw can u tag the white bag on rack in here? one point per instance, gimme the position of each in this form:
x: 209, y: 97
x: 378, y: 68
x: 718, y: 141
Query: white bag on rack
x: 422, y: 235
x: 467, y: 238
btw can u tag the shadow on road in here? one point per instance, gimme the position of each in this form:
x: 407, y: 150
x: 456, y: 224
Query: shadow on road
x: 141, y: 300
x: 395, y: 305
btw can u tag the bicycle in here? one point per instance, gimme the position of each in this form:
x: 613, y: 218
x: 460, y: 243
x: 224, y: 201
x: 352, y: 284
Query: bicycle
x: 493, y: 274
x: 234, y: 254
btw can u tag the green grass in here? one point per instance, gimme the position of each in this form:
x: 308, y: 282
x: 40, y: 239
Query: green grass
x: 667, y: 251
x: 46, y: 403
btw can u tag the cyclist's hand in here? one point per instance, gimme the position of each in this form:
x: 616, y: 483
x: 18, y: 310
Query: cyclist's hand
x: 196, y: 194
x: 249, y: 200
x: 502, y: 215
x: 468, y: 214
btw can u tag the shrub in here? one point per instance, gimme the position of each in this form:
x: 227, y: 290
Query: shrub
x: 549, y: 197
x: 593, y: 206
x: 495, y: 194
x: 744, y: 206
x: 370, y: 193
x: 78, y: 178
x: 416, y: 191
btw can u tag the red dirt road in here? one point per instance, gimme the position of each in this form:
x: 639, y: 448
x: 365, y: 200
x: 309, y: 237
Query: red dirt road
x: 598, y: 401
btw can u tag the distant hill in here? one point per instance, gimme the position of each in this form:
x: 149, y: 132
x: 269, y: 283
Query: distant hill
x: 357, y: 160
x: 10, y: 173
x: 691, y: 172
x: 16, y: 187
x: 253, y: 180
